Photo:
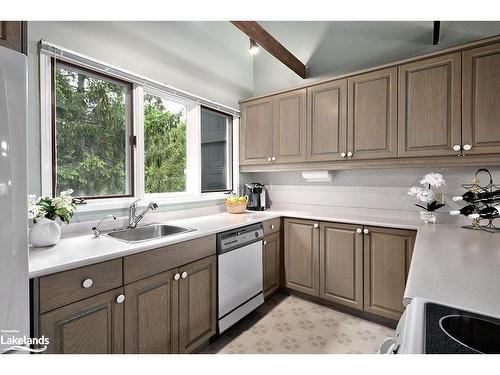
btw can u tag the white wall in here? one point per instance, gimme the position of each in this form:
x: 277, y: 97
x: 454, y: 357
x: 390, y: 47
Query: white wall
x: 209, y: 59
x: 333, y: 48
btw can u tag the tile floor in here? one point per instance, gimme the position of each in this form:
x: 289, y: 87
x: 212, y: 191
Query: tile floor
x: 289, y: 325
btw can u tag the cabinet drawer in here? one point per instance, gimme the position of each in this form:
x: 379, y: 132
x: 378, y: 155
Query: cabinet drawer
x: 66, y: 287
x: 271, y: 226
x: 139, y: 266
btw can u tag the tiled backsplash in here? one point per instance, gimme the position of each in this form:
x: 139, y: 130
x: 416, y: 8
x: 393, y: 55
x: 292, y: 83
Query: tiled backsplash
x: 373, y: 188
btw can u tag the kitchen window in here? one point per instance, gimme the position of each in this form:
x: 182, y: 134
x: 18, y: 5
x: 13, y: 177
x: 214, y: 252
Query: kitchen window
x: 113, y: 136
x: 216, y: 151
x: 92, y: 128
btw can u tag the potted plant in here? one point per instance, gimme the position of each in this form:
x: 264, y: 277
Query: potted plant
x: 427, y: 195
x: 44, y: 211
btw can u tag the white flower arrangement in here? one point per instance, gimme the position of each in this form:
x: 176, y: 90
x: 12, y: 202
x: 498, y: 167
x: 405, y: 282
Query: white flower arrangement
x: 62, y: 207
x: 426, y: 194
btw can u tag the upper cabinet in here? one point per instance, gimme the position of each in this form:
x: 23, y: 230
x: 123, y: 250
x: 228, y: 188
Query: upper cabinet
x: 429, y: 106
x: 480, y: 100
x: 256, y: 139
x: 326, y: 121
x: 372, y: 115
x: 11, y: 35
x: 290, y: 127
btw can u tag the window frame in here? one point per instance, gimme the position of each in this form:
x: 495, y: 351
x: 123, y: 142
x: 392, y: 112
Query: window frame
x: 140, y: 85
x: 132, y: 138
x: 230, y: 151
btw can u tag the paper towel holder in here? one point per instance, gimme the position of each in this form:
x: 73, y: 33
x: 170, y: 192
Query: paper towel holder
x: 317, y: 176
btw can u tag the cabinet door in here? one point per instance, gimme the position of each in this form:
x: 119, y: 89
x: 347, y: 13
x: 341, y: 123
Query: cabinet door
x: 326, y: 121
x: 341, y: 264
x: 91, y: 326
x: 11, y: 35
x: 256, y: 135
x: 372, y: 106
x: 290, y: 127
x: 151, y: 315
x: 387, y: 256
x: 302, y: 256
x: 271, y: 263
x: 429, y: 119
x: 480, y: 100
x: 197, y: 303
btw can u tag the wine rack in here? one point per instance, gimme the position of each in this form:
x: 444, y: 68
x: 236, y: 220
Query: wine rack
x: 484, y: 224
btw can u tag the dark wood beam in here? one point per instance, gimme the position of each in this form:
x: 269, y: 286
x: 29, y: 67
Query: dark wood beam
x: 271, y: 45
x: 435, y: 33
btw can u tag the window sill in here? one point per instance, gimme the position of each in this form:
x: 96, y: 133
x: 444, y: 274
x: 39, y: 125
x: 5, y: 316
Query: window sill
x: 162, y: 201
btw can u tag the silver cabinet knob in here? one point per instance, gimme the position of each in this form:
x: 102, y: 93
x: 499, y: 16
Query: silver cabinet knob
x: 87, y: 283
x: 184, y: 275
x: 269, y: 159
x: 265, y: 242
x: 456, y: 148
x: 273, y: 158
x: 120, y: 298
x: 359, y: 230
x: 466, y: 147
x: 349, y: 154
x: 177, y: 276
x: 271, y: 226
x: 316, y: 225
x: 366, y: 231
x: 342, y: 155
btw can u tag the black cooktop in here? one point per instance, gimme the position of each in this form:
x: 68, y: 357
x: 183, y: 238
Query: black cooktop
x: 454, y: 331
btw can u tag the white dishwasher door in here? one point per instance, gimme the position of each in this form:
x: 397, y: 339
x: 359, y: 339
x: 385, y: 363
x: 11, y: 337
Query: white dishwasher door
x: 240, y: 276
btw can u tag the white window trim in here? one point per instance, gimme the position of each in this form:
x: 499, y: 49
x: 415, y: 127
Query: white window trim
x: 193, y: 163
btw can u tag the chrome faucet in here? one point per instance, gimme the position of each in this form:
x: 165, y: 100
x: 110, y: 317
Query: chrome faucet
x: 133, y: 217
x: 97, y: 229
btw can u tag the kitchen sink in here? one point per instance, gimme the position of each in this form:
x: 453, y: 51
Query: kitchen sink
x: 479, y: 335
x: 147, y: 232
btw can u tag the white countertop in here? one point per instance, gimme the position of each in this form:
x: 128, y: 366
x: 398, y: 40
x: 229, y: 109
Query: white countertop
x: 450, y: 265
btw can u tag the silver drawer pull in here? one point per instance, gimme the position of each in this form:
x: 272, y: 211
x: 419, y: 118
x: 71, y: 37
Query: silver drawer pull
x: 271, y: 226
x: 349, y: 154
x: 184, y: 275
x: 177, y: 276
x: 456, y: 148
x: 269, y: 159
x: 265, y: 242
x: 359, y: 230
x: 366, y: 231
x: 87, y: 283
x: 316, y: 225
x: 120, y: 298
x: 467, y: 147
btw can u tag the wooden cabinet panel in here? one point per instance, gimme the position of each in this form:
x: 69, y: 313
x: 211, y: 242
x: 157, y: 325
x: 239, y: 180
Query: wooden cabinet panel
x: 341, y: 264
x: 480, y: 99
x: 387, y: 256
x: 302, y: 256
x: 151, y: 319
x: 11, y: 35
x: 197, y: 303
x: 429, y: 119
x: 91, y: 326
x: 271, y: 263
x: 256, y: 134
x: 62, y: 288
x: 290, y: 127
x: 326, y: 121
x: 372, y: 107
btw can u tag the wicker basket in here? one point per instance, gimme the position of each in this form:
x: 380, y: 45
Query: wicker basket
x: 236, y: 208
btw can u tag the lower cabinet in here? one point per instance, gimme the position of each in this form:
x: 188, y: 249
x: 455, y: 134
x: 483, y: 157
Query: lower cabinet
x: 387, y: 256
x: 361, y: 267
x: 91, y: 326
x: 302, y: 255
x: 271, y: 263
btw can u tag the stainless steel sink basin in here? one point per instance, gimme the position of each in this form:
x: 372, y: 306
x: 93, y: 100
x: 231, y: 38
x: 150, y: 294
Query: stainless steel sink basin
x: 479, y: 335
x: 147, y: 232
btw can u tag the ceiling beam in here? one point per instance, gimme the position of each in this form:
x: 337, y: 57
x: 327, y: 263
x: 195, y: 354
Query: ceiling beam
x: 271, y: 45
x: 435, y: 32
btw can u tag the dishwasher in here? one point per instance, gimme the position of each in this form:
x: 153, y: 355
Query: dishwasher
x: 239, y: 256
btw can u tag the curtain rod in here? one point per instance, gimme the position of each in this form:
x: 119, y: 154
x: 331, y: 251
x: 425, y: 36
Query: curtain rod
x: 65, y: 54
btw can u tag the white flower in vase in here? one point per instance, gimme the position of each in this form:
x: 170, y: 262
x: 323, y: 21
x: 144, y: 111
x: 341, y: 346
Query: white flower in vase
x: 433, y: 180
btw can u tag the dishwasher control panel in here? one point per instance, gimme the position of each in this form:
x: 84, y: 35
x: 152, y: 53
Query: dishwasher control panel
x: 235, y: 238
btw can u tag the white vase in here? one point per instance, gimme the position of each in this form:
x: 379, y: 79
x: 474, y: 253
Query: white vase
x: 428, y: 216
x: 45, y: 232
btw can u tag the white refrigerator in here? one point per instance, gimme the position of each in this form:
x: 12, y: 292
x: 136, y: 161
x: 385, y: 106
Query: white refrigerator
x: 14, y: 278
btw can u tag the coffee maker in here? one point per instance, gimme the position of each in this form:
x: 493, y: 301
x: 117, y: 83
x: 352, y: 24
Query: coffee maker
x: 256, y: 193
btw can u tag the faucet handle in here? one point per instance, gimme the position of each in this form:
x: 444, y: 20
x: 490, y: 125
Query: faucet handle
x: 134, y: 203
